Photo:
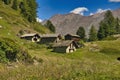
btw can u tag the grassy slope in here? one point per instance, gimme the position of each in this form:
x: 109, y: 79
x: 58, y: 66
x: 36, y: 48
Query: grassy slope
x: 80, y: 65
x: 12, y: 22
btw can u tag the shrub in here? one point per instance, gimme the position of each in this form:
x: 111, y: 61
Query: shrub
x: 11, y: 51
x: 81, y: 42
x: 3, y: 58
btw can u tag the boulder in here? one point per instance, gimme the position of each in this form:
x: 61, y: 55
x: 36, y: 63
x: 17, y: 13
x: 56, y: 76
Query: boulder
x: 0, y: 27
x: 1, y: 17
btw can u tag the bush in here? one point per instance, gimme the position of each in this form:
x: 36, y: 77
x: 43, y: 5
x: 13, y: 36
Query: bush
x: 81, y: 42
x: 11, y: 51
x: 3, y: 58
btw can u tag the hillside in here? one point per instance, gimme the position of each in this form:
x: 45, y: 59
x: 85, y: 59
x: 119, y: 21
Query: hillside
x: 12, y: 25
x: 69, y: 23
x: 11, y: 22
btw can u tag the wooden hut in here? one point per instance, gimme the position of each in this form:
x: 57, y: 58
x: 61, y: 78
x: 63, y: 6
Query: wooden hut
x: 34, y: 37
x: 49, y: 38
x: 72, y: 37
x: 67, y: 46
x: 75, y: 38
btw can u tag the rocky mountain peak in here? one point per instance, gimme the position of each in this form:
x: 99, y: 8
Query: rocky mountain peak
x: 69, y: 23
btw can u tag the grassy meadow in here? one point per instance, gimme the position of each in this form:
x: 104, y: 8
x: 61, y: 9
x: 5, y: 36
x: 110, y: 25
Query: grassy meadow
x: 95, y: 61
x: 86, y: 63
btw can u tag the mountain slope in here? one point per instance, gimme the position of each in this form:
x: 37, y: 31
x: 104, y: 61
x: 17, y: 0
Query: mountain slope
x: 69, y: 23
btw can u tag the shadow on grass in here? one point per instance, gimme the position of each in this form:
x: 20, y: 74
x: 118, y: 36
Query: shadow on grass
x: 113, y: 53
x: 110, y: 51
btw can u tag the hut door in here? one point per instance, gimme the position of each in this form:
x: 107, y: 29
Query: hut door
x: 71, y: 48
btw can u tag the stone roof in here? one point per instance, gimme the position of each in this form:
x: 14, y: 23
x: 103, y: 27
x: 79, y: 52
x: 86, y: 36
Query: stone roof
x: 63, y: 43
x: 41, y: 35
x: 73, y: 35
x: 49, y: 35
x: 28, y: 35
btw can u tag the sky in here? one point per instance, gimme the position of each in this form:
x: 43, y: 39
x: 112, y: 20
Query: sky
x: 48, y: 8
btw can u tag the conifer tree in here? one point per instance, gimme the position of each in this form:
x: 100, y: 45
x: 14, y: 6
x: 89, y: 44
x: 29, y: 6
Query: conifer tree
x: 15, y: 4
x: 33, y: 6
x: 6, y: 1
x: 93, y: 34
x: 101, y: 31
x: 109, y: 23
x: 50, y: 26
x: 117, y: 26
x: 107, y: 26
x: 28, y: 9
x: 81, y: 32
x: 24, y: 8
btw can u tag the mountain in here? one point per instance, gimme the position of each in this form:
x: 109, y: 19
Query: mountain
x: 69, y: 23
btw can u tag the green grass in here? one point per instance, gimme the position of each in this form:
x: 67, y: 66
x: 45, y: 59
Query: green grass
x: 80, y: 65
x: 84, y: 64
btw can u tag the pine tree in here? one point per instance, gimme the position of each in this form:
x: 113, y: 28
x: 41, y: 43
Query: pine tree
x: 6, y: 1
x: 81, y: 32
x: 109, y: 23
x: 101, y: 31
x: 50, y: 26
x: 15, y: 4
x: 28, y: 9
x: 24, y: 8
x: 117, y: 26
x: 107, y: 26
x: 93, y: 34
x: 33, y: 6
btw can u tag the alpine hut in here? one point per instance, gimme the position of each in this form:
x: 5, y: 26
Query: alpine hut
x: 34, y: 37
x: 67, y: 46
x: 49, y: 38
x: 75, y: 38
x: 72, y: 37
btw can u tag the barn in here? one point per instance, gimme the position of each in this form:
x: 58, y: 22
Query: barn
x: 67, y: 46
x: 34, y: 37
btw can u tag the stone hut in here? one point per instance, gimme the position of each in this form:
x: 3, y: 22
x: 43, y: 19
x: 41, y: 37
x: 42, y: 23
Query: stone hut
x: 67, y: 46
x: 72, y: 37
x: 75, y: 38
x: 49, y: 38
x: 34, y: 37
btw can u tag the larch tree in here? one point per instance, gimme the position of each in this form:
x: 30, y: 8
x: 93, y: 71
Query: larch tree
x: 101, y: 31
x: 93, y: 34
x: 28, y: 9
x: 15, y: 4
x: 81, y: 32
x: 50, y: 26
x: 117, y: 26
x: 107, y: 26
x: 7, y: 1
x: 109, y: 23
